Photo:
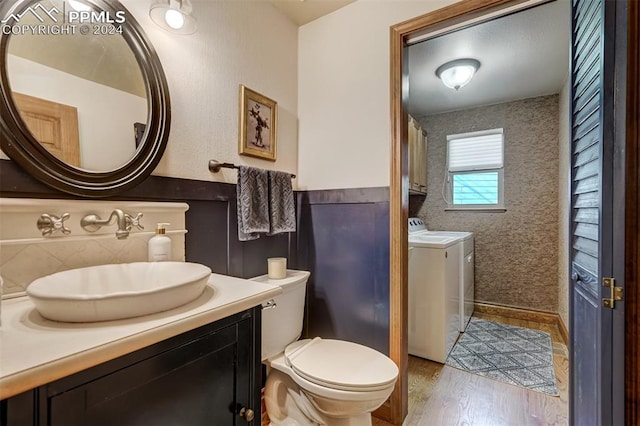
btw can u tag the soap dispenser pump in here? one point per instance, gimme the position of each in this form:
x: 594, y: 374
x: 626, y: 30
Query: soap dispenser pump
x: 160, y: 245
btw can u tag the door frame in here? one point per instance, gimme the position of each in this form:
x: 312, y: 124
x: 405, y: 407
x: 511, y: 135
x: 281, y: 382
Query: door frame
x: 632, y: 221
x: 396, y: 408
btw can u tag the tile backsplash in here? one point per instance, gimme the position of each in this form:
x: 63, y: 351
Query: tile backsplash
x: 26, y: 255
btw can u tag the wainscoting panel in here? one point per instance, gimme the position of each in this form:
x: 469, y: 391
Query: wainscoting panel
x: 207, y: 241
x: 249, y: 258
x: 346, y: 236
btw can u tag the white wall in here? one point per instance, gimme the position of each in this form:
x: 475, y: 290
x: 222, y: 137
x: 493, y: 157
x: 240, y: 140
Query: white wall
x: 238, y: 42
x: 344, y: 95
x: 105, y: 127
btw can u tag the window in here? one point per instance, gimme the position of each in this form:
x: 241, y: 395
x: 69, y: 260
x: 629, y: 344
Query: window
x: 475, y: 177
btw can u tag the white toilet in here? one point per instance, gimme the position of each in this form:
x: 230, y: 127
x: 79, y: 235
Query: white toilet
x: 317, y: 381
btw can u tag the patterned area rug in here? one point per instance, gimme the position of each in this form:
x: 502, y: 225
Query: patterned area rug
x: 516, y: 355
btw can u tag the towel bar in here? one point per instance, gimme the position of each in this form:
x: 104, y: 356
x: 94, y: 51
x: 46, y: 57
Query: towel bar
x: 215, y: 166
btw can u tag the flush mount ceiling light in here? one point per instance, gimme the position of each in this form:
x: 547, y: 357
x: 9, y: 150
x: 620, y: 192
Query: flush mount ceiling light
x: 175, y: 16
x: 458, y: 73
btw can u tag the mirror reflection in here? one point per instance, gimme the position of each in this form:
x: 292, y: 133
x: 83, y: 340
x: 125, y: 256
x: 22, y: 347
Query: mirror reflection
x: 83, y: 97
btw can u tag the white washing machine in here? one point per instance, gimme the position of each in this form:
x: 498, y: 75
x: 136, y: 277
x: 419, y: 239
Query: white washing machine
x: 434, y: 296
x: 466, y: 265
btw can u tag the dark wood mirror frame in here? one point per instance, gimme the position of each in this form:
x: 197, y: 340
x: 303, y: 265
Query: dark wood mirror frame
x: 22, y: 147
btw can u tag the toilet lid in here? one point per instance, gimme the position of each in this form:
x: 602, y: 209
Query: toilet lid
x: 340, y: 365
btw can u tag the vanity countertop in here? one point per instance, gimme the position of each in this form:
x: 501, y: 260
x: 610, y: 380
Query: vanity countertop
x: 35, y: 351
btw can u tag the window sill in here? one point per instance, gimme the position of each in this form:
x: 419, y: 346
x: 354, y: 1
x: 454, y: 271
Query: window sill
x: 476, y: 209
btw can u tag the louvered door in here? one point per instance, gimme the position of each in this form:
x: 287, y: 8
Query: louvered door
x: 593, y: 140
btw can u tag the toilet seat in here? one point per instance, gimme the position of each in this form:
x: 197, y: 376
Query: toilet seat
x: 340, y: 365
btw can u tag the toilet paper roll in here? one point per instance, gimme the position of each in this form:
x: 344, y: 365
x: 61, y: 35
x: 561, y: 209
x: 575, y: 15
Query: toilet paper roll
x: 277, y: 267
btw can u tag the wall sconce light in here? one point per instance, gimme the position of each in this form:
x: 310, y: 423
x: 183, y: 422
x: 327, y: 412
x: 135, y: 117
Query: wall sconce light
x: 175, y: 16
x: 456, y: 74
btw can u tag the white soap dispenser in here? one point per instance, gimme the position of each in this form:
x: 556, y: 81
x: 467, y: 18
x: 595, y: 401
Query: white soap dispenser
x: 160, y: 245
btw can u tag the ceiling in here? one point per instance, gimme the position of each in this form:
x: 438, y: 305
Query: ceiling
x: 522, y: 55
x: 304, y: 11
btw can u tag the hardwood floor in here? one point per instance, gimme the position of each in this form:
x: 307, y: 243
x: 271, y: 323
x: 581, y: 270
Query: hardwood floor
x: 444, y: 396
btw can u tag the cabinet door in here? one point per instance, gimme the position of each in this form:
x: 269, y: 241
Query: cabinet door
x: 417, y: 157
x: 249, y: 367
x: 19, y: 410
x: 202, y: 377
x: 414, y: 137
x: 422, y: 161
x: 193, y: 384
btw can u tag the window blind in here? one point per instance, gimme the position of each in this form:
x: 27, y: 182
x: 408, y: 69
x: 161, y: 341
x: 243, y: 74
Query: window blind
x: 475, y: 151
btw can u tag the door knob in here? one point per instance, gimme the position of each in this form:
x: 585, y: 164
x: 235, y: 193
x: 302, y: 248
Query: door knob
x: 246, y: 413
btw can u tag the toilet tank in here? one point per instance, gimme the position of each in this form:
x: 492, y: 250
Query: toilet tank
x: 282, y: 324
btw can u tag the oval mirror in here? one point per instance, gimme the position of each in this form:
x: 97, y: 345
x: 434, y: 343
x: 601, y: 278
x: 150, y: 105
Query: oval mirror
x: 85, y: 105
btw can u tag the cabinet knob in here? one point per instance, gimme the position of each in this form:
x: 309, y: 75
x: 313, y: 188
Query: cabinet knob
x: 246, y: 413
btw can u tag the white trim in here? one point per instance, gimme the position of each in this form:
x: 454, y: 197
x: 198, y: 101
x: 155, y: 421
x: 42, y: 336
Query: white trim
x: 496, y: 131
x: 477, y: 208
x: 423, y: 35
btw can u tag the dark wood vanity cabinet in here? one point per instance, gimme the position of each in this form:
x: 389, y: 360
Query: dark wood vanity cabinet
x: 207, y: 376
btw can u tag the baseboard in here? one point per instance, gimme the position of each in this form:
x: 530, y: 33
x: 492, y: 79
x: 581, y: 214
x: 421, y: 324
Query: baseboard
x: 527, y: 315
x: 564, y: 331
x: 518, y: 313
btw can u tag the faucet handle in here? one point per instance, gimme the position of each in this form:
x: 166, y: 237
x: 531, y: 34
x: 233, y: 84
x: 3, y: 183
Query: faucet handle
x: 49, y: 224
x: 133, y: 221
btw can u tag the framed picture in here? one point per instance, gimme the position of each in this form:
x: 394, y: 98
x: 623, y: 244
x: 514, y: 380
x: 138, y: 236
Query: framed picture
x: 258, y: 124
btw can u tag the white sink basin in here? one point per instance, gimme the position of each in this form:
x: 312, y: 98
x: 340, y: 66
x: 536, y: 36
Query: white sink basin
x: 109, y: 292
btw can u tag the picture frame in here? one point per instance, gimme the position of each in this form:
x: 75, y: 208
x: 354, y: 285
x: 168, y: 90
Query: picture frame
x: 258, y: 125
x: 138, y: 132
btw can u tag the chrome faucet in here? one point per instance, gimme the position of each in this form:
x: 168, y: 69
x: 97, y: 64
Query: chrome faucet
x: 93, y: 222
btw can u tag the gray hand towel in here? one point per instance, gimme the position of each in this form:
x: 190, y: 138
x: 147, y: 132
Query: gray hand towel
x: 253, y: 202
x: 282, y: 208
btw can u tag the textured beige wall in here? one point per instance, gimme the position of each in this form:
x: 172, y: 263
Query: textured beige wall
x: 516, y: 251
x: 564, y: 189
